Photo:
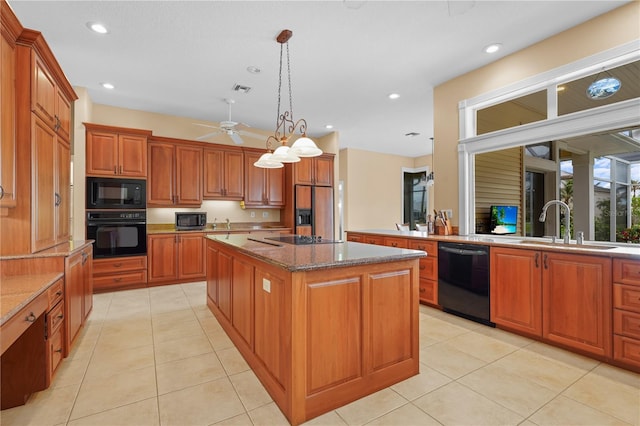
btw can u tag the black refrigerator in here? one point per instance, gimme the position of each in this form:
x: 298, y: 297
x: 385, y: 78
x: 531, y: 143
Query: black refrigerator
x: 314, y: 211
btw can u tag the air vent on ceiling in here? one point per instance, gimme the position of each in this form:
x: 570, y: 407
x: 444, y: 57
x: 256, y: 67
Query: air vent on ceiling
x: 240, y: 88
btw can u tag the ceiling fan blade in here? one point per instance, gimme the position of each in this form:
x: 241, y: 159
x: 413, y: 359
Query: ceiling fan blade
x: 252, y: 135
x: 206, y: 125
x: 236, y: 138
x: 199, y: 138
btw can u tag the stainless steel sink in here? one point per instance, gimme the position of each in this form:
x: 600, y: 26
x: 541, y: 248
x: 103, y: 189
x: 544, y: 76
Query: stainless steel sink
x: 568, y: 246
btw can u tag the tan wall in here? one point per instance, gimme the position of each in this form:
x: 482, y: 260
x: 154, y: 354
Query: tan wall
x: 82, y: 111
x: 612, y: 29
x: 373, y: 194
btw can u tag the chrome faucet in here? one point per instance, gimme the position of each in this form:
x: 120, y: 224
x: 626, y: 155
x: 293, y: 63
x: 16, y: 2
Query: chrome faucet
x: 567, y: 217
x: 228, y: 224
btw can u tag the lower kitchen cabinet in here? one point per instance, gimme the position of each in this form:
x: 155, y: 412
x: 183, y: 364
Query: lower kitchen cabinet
x: 176, y: 257
x: 516, y: 289
x: 428, y: 270
x: 78, y: 294
x: 626, y: 312
x: 118, y: 273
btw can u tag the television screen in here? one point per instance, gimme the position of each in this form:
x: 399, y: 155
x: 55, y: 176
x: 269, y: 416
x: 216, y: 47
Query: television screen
x: 504, y: 219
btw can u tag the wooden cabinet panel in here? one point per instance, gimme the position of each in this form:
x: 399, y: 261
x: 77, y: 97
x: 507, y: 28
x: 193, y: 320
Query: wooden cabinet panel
x: 111, y: 265
x: 430, y: 247
x: 188, y: 175
x: 212, y: 273
x: 55, y: 353
x: 223, y: 174
x: 626, y: 323
x: 8, y: 123
x: 626, y: 297
x: 242, y: 300
x: 62, y: 195
x: 63, y: 112
x: 110, y: 153
x: 576, y: 300
x: 191, y: 260
x: 516, y: 289
x: 314, y: 171
x: 429, y: 268
x: 626, y: 271
x: 428, y: 291
x: 373, y: 239
x: 225, y: 267
x: 626, y: 350
x: 101, y: 153
x: 396, y: 242
x: 43, y: 233
x: 263, y: 187
x: 356, y: 238
x: 162, y: 254
x: 119, y: 273
x: 324, y: 170
x: 20, y: 322
x: 274, y: 191
x: 43, y: 93
x: 55, y: 293
x: 132, y: 155
x: 74, y: 298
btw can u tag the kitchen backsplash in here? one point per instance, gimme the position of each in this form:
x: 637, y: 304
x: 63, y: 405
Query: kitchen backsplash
x: 215, y: 209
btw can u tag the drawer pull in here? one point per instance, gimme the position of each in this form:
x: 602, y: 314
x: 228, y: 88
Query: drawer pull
x: 117, y: 265
x: 31, y: 317
x: 394, y: 244
x: 58, y: 350
x: 422, y: 290
x: 59, y: 293
x: 60, y: 316
x: 117, y: 280
x: 421, y: 248
x: 422, y: 267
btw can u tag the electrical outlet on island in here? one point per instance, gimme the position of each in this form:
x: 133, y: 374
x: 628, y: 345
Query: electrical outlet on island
x: 265, y: 214
x: 253, y: 214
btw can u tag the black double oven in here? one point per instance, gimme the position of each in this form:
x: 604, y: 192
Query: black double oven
x: 116, y: 216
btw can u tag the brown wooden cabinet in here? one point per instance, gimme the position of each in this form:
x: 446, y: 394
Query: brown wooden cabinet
x: 428, y: 270
x: 175, y: 174
x: 54, y: 321
x: 7, y: 114
x: 314, y: 171
x: 516, y: 289
x: 119, y: 273
x: 115, y: 151
x: 263, y: 187
x: 626, y: 312
x: 78, y: 293
x: 176, y: 257
x: 48, y: 101
x: 223, y: 174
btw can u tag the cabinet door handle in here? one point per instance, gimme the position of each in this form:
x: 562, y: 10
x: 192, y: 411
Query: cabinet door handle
x: 546, y: 266
x: 1, y: 192
x: 422, y: 290
x: 58, y: 350
x: 120, y: 169
x: 57, y: 126
x: 30, y: 318
x: 59, y: 293
x: 117, y: 265
x: 60, y: 316
x: 58, y: 199
x: 537, y: 256
x: 115, y: 170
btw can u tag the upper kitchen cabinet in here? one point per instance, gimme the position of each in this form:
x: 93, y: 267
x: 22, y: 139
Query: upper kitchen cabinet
x: 223, y: 174
x: 39, y: 218
x: 175, y: 173
x: 262, y: 187
x: 314, y: 171
x: 116, y: 151
x: 9, y: 34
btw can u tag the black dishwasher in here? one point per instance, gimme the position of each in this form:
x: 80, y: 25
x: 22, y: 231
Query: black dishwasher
x: 463, y: 281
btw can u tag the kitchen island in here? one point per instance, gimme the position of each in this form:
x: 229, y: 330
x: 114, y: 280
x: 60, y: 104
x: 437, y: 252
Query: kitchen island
x: 320, y: 324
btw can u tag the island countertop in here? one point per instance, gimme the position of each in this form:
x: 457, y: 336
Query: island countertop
x: 308, y: 257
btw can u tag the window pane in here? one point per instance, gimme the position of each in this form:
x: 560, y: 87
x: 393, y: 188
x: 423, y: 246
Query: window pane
x: 572, y: 96
x: 539, y: 150
x: 516, y: 112
x: 622, y: 206
x: 602, y: 212
x: 622, y: 170
x: 602, y: 168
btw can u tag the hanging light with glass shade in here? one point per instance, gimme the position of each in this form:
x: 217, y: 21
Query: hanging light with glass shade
x: 602, y: 88
x: 286, y: 126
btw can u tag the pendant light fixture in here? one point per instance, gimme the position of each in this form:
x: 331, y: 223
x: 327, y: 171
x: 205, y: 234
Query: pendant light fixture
x: 602, y: 88
x: 286, y: 126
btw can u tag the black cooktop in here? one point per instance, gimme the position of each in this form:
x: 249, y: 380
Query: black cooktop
x: 302, y: 239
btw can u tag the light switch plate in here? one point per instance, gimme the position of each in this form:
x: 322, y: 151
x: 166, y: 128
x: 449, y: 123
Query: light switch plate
x: 266, y: 285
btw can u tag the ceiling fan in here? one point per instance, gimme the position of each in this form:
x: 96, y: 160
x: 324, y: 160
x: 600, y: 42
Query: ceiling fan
x: 233, y: 129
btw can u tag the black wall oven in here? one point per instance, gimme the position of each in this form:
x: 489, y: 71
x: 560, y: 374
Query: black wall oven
x: 117, y: 233
x: 116, y: 193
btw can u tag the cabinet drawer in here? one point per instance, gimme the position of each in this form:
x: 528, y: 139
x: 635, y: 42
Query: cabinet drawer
x: 56, y: 293
x: 626, y: 350
x: 55, y: 352
x: 119, y: 264
x: 626, y: 297
x: 17, y: 324
x: 396, y: 242
x: 373, y: 239
x: 429, y: 291
x: 356, y: 238
x: 626, y: 323
x: 129, y: 279
x: 431, y: 247
x: 429, y: 268
x: 626, y: 271
x: 55, y: 318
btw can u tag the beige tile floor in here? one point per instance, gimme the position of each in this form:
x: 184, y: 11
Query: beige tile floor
x: 158, y: 357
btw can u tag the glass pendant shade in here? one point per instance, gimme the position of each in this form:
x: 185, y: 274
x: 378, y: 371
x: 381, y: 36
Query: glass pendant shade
x: 266, y: 162
x: 284, y: 155
x: 305, y: 147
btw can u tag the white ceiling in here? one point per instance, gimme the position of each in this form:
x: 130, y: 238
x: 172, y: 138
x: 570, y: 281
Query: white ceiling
x: 183, y: 57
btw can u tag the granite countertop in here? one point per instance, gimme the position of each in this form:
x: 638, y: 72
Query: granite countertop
x: 18, y: 291
x: 308, y: 257
x: 240, y: 228
x: 64, y: 249
x: 600, y: 248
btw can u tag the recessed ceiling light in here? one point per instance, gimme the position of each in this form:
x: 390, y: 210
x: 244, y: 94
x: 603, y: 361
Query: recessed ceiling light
x: 328, y: 126
x: 492, y: 48
x: 560, y: 88
x: 394, y: 96
x: 97, y: 27
x: 253, y: 70
x: 108, y: 86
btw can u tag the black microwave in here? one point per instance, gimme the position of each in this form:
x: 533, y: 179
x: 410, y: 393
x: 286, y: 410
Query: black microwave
x: 116, y: 193
x: 186, y: 221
